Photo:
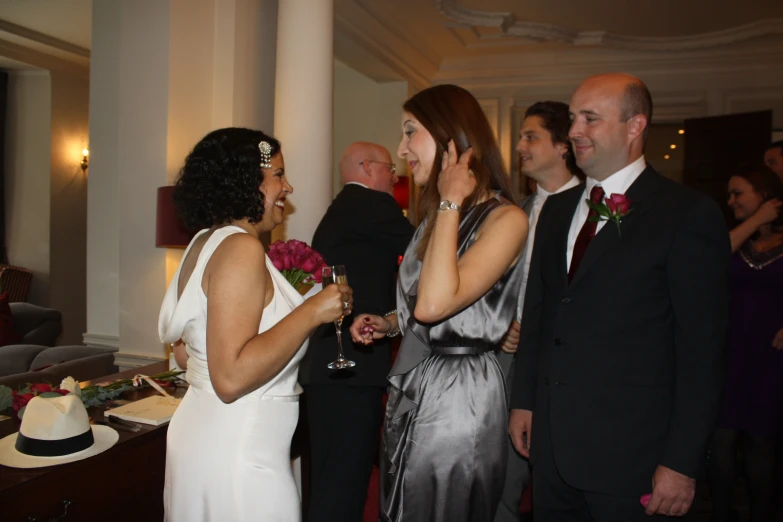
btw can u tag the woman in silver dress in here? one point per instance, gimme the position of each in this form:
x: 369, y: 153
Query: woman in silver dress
x: 443, y: 453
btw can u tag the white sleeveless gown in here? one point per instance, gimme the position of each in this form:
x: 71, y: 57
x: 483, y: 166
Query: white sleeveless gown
x: 229, y: 462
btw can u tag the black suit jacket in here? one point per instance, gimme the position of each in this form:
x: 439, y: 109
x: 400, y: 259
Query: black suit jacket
x: 366, y: 231
x: 625, y: 364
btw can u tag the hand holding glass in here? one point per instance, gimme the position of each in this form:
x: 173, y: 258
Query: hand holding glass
x: 331, y: 275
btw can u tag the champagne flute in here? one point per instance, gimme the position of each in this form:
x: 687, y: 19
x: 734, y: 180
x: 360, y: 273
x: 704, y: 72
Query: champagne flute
x: 331, y: 275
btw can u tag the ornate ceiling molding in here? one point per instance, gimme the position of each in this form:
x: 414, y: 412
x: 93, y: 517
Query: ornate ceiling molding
x: 510, y: 27
x: 419, y: 76
x: 386, y: 42
x: 42, y: 38
x: 683, y: 43
x: 474, y: 17
x: 38, y: 59
x: 540, y: 73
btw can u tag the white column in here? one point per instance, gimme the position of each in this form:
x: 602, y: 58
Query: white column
x: 162, y: 76
x: 303, y: 109
x: 129, y: 100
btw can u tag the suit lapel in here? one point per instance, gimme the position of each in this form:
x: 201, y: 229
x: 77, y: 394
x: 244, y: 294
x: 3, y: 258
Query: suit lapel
x: 564, y: 214
x: 609, y: 236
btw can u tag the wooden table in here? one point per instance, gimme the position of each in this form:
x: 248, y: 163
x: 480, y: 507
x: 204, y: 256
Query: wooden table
x: 124, y: 483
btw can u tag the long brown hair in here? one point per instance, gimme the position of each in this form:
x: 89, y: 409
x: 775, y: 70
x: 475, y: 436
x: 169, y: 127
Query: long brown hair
x: 764, y: 181
x: 448, y: 113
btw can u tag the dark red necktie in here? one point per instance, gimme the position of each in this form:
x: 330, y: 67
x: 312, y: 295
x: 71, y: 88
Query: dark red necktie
x: 586, y: 234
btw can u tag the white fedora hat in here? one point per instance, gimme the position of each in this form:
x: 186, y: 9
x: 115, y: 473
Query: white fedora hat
x: 54, y: 431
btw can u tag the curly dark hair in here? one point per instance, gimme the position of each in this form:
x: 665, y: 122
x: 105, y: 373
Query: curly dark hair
x: 221, y: 178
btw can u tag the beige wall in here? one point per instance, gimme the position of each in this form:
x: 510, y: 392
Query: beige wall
x: 46, y: 190
x: 152, y: 100
x: 253, y: 77
x: 27, y: 177
x: 687, y: 83
x: 68, y: 207
x: 365, y: 110
x: 129, y: 82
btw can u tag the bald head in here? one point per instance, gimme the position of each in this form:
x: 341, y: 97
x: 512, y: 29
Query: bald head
x: 631, y: 93
x: 369, y: 164
x: 610, y: 115
x: 613, y: 81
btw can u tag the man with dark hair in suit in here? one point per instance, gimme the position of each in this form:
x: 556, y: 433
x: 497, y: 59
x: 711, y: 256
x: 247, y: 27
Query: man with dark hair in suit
x: 621, y: 355
x: 546, y: 157
x: 365, y: 230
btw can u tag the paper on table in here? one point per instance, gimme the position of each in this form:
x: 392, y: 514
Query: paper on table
x: 154, y: 410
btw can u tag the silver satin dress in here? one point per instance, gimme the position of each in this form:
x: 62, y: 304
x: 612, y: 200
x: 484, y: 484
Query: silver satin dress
x: 444, y: 444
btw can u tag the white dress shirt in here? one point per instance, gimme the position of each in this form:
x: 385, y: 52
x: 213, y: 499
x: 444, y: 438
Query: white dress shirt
x: 356, y: 183
x: 617, y: 183
x: 539, y: 198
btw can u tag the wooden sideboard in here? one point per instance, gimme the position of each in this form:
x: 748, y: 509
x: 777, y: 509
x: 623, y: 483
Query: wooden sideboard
x: 124, y: 483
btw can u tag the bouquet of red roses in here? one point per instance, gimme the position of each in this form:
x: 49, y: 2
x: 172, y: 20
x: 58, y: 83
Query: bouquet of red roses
x: 299, y: 264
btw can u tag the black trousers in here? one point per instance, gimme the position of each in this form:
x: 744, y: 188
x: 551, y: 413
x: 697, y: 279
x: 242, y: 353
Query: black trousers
x: 554, y: 500
x: 518, y: 470
x: 344, y: 428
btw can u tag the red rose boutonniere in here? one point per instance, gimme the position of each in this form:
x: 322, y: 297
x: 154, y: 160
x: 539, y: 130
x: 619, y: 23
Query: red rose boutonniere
x: 614, y: 208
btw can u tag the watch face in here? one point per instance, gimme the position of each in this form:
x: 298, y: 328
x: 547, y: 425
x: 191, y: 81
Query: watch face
x: 448, y: 205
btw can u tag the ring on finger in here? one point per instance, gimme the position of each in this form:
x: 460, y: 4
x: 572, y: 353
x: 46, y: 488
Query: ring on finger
x: 346, y: 304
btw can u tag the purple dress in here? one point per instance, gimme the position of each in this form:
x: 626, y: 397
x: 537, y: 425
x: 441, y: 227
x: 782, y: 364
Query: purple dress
x: 753, y: 395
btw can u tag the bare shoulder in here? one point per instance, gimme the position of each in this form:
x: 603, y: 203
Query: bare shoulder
x: 507, y: 224
x: 236, y: 251
x: 508, y: 215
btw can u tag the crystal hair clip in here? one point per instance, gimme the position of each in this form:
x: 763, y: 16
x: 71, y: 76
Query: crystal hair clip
x: 266, y: 155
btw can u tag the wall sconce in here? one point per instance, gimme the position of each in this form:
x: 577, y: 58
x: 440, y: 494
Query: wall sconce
x: 84, y: 164
x: 169, y: 230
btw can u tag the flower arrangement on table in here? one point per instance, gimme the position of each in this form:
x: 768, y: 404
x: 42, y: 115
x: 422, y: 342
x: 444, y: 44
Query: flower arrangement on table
x: 299, y: 264
x: 94, y: 395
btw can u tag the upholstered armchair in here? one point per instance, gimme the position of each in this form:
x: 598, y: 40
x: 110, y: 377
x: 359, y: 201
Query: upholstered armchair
x: 35, y: 324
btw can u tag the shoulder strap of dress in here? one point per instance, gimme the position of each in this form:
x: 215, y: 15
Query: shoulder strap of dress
x: 473, y: 218
x: 480, y: 211
x: 212, y: 244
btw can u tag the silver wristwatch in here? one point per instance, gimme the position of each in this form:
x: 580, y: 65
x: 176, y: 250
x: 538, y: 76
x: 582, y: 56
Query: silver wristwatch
x: 448, y: 205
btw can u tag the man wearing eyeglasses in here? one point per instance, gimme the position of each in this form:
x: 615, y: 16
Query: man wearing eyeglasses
x: 365, y: 230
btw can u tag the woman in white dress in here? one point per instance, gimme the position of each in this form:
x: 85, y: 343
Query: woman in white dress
x: 244, y: 330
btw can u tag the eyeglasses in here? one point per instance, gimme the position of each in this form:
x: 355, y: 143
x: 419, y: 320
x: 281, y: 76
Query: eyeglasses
x: 392, y: 166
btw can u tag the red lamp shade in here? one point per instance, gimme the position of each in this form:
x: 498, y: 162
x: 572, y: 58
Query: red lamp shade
x: 402, y: 192
x: 169, y: 231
